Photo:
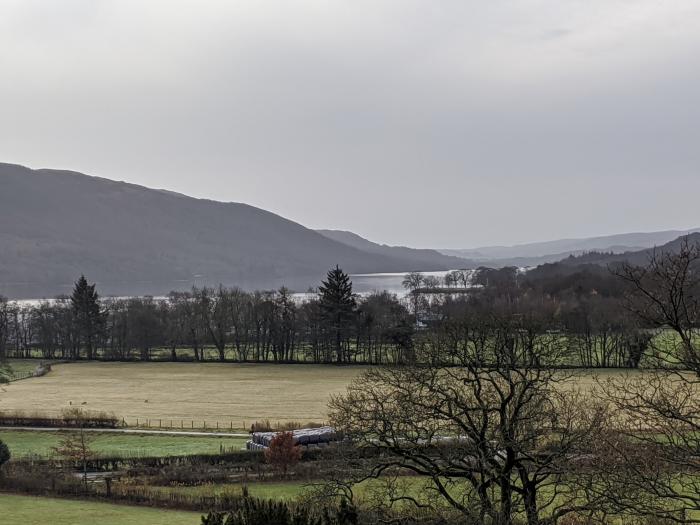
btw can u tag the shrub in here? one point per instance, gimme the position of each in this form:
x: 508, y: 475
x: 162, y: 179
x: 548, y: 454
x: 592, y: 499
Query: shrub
x: 283, y: 452
x: 4, y: 453
x: 70, y: 418
x: 268, y: 512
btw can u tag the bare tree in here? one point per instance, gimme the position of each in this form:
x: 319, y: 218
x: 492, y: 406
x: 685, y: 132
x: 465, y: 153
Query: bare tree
x: 75, y: 446
x: 412, y: 282
x: 665, y: 294
x: 649, y: 462
x: 493, y: 439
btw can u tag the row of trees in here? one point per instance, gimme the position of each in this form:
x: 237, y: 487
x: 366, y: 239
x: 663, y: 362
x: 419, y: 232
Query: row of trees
x: 586, y: 307
x: 222, y: 323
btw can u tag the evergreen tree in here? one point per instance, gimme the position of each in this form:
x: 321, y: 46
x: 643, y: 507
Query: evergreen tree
x: 87, y: 315
x: 337, y: 304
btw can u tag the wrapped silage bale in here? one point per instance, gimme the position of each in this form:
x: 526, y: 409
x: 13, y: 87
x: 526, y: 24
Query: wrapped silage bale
x: 307, y: 437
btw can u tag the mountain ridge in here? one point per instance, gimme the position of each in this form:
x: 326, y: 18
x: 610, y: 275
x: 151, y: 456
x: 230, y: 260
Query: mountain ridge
x: 58, y: 224
x: 421, y: 256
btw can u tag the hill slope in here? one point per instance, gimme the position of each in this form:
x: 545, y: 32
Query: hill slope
x: 600, y: 263
x: 420, y: 257
x: 55, y: 225
x: 639, y: 257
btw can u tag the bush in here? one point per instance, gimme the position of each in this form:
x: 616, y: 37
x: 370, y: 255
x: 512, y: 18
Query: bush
x: 268, y: 512
x: 283, y: 452
x: 74, y: 418
x: 4, y: 453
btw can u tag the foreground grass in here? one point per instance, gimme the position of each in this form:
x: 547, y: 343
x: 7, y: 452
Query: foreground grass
x: 277, y: 490
x: 29, y: 510
x: 415, y: 486
x: 231, y: 394
x: 24, y: 443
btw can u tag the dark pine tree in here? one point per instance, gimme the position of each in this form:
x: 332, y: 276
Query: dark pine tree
x: 337, y: 308
x: 87, y: 315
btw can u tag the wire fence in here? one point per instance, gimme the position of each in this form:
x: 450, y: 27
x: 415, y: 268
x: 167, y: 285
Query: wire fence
x: 18, y: 376
x: 184, y: 424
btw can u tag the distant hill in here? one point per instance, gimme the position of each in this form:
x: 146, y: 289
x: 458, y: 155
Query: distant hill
x: 550, y: 251
x: 596, y: 263
x: 639, y: 257
x: 55, y: 225
x: 420, y: 258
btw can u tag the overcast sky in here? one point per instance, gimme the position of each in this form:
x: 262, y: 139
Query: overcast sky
x: 435, y: 123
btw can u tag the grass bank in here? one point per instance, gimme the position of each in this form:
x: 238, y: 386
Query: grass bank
x: 24, y: 443
x: 30, y: 510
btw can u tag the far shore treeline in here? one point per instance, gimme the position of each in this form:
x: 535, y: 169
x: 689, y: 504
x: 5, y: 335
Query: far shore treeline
x: 585, y: 304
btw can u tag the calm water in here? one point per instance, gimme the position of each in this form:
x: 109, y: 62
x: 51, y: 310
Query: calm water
x: 391, y: 282
x: 363, y: 284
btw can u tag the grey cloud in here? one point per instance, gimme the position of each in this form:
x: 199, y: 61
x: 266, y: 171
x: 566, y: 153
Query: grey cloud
x: 416, y: 122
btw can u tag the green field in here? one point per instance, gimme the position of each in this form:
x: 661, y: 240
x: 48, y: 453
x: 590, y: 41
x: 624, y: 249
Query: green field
x: 23, y: 443
x: 28, y: 510
x: 283, y: 490
x: 289, y: 490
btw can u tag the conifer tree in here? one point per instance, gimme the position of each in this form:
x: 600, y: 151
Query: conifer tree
x: 337, y: 304
x: 87, y: 315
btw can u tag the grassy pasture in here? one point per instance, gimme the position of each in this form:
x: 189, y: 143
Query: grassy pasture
x: 212, y: 392
x: 415, y: 486
x: 277, y: 490
x: 22, y: 366
x: 30, y: 510
x: 24, y: 443
x: 291, y: 490
x: 188, y: 394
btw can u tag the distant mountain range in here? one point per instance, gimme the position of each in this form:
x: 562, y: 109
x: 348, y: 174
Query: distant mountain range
x: 551, y: 251
x: 597, y: 262
x: 639, y: 257
x: 56, y: 225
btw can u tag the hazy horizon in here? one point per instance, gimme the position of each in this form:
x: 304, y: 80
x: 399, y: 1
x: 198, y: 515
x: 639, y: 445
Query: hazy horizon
x: 444, y: 125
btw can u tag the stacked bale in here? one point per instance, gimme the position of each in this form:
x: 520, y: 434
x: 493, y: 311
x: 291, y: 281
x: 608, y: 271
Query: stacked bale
x: 305, y: 437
